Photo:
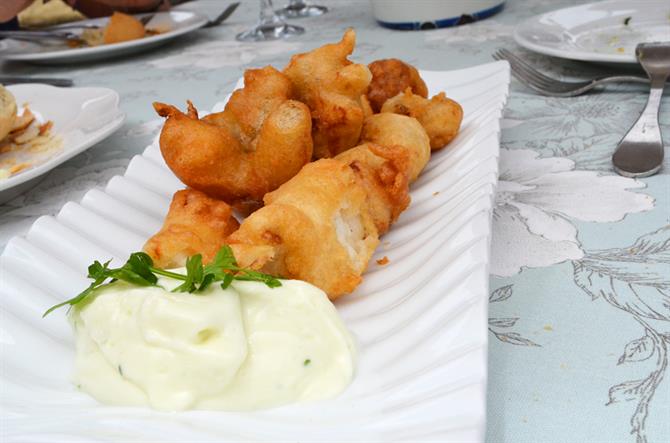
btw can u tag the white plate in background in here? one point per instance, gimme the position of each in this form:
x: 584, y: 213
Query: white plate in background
x: 81, y: 118
x: 420, y: 321
x: 179, y: 23
x: 599, y: 32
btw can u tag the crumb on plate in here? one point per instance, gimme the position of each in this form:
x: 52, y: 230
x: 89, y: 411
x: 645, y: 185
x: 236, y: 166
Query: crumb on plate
x: 383, y: 261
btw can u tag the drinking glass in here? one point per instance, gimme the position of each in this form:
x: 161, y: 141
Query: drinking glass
x: 269, y: 26
x: 300, y: 8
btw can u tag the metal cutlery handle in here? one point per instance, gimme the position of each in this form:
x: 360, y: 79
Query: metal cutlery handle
x: 38, y: 35
x: 13, y: 80
x: 640, y: 151
x: 622, y: 79
x: 647, y: 128
x: 70, y: 27
x: 223, y: 16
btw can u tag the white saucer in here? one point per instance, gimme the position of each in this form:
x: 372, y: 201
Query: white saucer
x: 81, y: 118
x: 598, y: 32
x: 179, y: 23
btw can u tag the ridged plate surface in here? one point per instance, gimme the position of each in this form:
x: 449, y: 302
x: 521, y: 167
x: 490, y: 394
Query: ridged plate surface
x: 420, y: 321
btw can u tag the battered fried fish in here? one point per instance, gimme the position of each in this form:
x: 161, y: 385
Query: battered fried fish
x: 195, y: 223
x: 440, y: 116
x: 405, y: 132
x: 316, y: 227
x: 323, y: 225
x: 260, y: 140
x: 391, y: 77
x: 382, y: 171
x: 332, y: 88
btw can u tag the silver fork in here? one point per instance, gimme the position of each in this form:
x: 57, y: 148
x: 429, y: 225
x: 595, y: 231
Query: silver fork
x: 546, y: 85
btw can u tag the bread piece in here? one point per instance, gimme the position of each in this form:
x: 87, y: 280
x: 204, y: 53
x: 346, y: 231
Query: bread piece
x: 7, y: 112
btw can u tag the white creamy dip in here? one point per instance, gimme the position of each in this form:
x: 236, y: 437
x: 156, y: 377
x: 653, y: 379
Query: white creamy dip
x: 246, y: 347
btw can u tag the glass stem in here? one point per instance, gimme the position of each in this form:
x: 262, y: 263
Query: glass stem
x: 268, y: 16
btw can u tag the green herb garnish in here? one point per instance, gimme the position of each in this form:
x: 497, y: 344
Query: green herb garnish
x: 626, y: 21
x: 139, y: 270
x: 306, y: 362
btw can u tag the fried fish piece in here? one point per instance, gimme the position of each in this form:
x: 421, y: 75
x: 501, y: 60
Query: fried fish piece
x: 316, y: 227
x: 195, y: 223
x: 332, y: 87
x: 405, y: 132
x: 440, y: 116
x: 383, y: 172
x: 389, y: 78
x: 323, y: 225
x: 260, y: 140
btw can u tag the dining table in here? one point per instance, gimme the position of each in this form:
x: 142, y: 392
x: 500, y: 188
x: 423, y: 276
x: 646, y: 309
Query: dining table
x: 579, y: 305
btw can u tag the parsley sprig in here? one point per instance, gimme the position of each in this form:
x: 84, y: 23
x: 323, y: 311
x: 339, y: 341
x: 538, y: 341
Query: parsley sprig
x: 140, y: 270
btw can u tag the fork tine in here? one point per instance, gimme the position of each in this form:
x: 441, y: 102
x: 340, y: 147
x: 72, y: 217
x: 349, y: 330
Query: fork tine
x: 526, y: 75
x: 531, y: 73
x: 530, y: 82
x: 521, y: 62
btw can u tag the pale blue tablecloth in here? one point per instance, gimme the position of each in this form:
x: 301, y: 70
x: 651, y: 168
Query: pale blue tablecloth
x: 580, y: 285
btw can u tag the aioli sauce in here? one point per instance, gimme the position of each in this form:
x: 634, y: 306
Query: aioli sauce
x: 247, y: 347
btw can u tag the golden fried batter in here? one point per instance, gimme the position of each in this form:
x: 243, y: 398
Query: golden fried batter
x: 440, y: 116
x: 321, y: 221
x: 260, y: 140
x: 194, y: 224
x: 382, y: 171
x: 316, y: 227
x: 332, y: 88
x: 391, y: 77
x: 405, y: 132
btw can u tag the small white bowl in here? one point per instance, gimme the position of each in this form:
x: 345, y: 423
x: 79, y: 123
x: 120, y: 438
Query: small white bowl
x: 431, y: 14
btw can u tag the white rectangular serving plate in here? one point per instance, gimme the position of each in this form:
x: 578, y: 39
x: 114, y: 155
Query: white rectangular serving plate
x: 420, y: 320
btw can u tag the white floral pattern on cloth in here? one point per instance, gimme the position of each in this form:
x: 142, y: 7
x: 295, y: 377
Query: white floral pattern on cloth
x: 536, y: 200
x: 218, y: 54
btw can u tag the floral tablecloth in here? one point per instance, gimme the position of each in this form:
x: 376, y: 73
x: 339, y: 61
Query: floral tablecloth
x: 580, y: 275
